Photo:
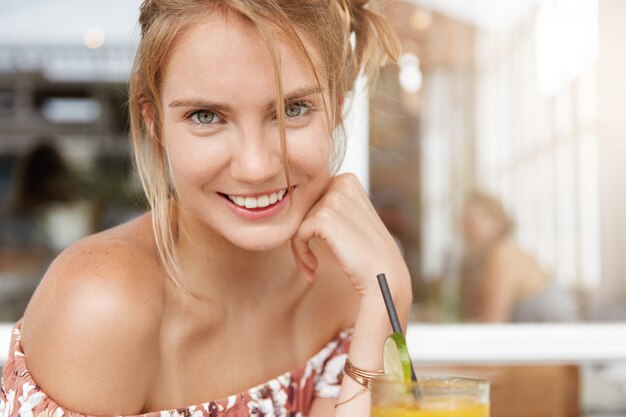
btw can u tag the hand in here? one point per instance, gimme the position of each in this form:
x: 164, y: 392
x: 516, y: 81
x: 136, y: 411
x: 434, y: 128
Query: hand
x: 348, y: 223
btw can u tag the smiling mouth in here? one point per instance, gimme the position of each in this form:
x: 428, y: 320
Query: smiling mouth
x: 260, y: 201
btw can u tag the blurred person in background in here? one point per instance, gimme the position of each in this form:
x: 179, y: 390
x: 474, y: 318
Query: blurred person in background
x: 500, y: 282
x: 39, y: 220
x: 43, y: 178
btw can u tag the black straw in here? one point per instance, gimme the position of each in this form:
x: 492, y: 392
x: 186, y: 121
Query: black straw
x: 391, y: 311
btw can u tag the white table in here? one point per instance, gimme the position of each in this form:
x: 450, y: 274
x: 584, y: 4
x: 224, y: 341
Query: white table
x: 517, y: 343
x: 5, y: 339
x: 506, y: 343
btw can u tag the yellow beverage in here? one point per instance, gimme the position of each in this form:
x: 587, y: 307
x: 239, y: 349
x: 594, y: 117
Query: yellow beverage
x: 462, y: 410
x: 431, y: 397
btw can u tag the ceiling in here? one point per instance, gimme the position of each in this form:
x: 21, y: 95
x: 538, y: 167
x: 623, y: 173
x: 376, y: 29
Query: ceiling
x: 490, y: 15
x: 65, y: 21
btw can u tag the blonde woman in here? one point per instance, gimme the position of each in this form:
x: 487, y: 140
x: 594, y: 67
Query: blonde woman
x: 500, y: 281
x: 253, y: 277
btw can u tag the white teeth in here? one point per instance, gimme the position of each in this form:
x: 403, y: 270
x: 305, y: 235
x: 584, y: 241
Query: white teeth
x: 263, y: 201
x: 251, y: 202
x: 260, y: 201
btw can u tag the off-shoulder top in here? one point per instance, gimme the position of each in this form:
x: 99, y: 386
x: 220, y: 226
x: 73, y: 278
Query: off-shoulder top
x: 288, y: 395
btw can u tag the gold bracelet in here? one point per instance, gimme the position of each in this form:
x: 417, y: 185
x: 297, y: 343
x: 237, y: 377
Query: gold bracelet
x: 361, y: 391
x: 361, y: 376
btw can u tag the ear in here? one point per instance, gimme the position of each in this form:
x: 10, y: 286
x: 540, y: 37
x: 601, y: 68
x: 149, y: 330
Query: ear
x: 148, y: 113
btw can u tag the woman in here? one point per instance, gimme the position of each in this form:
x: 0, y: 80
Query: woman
x: 500, y: 281
x: 256, y: 267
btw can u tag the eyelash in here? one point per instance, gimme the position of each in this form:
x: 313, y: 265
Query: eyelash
x: 189, y: 116
x: 308, y: 107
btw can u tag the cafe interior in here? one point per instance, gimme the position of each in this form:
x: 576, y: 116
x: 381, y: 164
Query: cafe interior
x: 501, y: 118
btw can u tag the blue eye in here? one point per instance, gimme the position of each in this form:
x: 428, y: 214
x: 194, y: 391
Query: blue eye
x: 204, y: 117
x: 296, y: 109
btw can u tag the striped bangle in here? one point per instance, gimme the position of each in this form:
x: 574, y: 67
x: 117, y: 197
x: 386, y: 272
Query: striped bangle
x: 361, y: 376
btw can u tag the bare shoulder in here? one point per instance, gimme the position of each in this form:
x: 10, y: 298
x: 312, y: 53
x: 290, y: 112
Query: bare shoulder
x: 504, y: 252
x: 503, y: 260
x: 90, y: 332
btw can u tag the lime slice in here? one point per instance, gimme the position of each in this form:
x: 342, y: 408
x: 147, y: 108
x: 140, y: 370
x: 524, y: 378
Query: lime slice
x: 396, y: 359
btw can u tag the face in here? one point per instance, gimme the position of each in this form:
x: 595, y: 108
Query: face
x: 221, y: 133
x: 479, y: 228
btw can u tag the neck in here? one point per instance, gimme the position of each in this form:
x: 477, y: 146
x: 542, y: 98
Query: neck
x: 216, y: 269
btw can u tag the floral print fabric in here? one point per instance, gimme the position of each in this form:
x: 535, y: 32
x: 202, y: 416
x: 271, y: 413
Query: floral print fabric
x: 289, y: 395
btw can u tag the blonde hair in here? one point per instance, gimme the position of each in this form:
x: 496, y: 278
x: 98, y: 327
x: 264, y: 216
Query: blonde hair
x: 494, y: 208
x: 328, y: 24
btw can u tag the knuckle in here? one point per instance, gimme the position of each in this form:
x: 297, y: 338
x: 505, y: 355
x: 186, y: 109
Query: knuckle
x: 325, y: 214
x: 334, y: 199
x: 350, y: 184
x: 299, y: 237
x: 347, y: 176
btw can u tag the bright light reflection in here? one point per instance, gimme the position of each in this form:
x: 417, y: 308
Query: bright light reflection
x: 94, y: 37
x: 410, y: 74
x: 566, y: 38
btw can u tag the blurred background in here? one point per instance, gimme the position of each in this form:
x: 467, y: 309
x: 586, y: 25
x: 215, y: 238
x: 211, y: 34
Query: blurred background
x: 495, y: 150
x: 495, y: 159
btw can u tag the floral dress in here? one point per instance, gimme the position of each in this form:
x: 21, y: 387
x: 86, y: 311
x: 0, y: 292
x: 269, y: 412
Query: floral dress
x: 288, y: 395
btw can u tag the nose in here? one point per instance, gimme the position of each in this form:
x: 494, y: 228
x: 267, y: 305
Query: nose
x: 257, y: 156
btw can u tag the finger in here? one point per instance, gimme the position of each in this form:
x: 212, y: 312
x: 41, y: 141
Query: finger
x: 309, y: 273
x: 352, y: 187
x: 300, y: 247
x: 300, y: 243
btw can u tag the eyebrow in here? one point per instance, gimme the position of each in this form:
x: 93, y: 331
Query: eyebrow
x: 291, y: 96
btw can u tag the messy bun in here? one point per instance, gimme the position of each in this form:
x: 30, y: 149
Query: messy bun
x: 376, y: 43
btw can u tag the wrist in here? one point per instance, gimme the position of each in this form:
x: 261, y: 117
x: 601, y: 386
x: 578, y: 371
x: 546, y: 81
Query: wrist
x: 363, y: 377
x: 373, y: 326
x: 373, y: 310
x: 399, y: 286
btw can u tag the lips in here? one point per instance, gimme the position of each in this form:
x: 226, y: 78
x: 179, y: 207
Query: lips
x: 254, y: 207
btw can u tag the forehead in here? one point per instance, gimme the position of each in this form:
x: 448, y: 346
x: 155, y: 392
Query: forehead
x: 223, y: 55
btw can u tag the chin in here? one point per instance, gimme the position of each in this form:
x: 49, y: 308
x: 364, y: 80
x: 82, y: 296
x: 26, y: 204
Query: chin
x: 259, y: 241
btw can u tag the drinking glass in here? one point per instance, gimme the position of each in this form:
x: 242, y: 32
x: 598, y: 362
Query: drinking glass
x: 431, y: 396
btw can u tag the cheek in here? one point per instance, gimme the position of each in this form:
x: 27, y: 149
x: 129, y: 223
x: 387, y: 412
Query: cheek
x: 309, y: 151
x: 192, y: 159
x: 486, y: 228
